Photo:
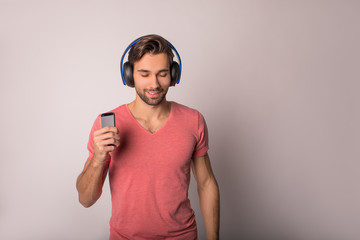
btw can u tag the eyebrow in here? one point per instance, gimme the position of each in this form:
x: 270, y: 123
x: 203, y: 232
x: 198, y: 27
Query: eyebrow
x: 147, y: 71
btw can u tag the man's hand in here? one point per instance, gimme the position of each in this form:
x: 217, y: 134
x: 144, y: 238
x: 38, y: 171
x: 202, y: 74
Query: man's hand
x: 90, y: 182
x: 105, y: 140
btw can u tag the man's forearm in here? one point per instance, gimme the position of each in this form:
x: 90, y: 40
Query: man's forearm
x: 210, y: 208
x: 90, y: 182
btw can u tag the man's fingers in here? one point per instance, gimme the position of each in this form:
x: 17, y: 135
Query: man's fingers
x: 106, y: 135
x: 110, y: 129
x: 106, y: 130
x: 108, y: 146
x: 111, y: 141
x: 106, y: 139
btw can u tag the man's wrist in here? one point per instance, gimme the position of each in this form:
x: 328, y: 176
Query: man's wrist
x: 96, y: 163
x: 213, y: 237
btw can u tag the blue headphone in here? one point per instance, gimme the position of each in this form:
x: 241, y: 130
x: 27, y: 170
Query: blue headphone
x: 127, y: 69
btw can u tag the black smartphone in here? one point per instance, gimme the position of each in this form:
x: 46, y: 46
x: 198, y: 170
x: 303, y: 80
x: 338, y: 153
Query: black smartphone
x: 108, y: 119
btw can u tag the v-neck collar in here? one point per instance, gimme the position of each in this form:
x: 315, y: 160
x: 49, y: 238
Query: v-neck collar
x: 143, y: 129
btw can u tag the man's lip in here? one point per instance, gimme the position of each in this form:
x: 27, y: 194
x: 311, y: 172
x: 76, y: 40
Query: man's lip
x: 154, y: 93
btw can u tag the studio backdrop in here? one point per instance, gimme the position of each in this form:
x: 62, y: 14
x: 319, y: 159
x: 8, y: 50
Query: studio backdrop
x: 277, y: 82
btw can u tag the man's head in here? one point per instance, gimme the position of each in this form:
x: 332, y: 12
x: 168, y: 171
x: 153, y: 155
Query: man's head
x: 151, y: 44
x: 150, y: 68
x: 152, y: 78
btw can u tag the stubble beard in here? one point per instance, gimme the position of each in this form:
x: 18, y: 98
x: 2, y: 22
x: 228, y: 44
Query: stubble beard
x: 151, y: 101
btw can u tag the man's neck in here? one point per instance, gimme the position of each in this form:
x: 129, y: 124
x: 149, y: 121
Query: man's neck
x: 142, y: 110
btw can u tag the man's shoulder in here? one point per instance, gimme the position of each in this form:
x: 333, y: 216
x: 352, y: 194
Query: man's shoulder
x: 120, y: 112
x: 186, y: 113
x: 119, y: 109
x: 185, y: 109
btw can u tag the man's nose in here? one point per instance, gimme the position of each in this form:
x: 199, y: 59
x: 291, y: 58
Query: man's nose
x: 154, y: 81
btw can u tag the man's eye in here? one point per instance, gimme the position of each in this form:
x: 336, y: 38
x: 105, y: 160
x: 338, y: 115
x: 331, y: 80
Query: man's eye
x: 145, y: 75
x: 163, y: 75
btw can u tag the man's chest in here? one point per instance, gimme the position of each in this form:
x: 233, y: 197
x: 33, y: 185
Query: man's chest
x: 152, y: 126
x: 169, y: 149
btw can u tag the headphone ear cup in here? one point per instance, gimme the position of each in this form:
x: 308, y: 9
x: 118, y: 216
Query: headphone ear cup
x: 174, y: 70
x: 128, y: 74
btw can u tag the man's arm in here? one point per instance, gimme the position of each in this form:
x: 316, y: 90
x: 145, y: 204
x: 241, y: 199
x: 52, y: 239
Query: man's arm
x: 208, y: 191
x: 91, y: 180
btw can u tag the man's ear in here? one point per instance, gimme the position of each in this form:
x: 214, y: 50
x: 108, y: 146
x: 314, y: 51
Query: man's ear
x: 128, y: 74
x: 174, y: 71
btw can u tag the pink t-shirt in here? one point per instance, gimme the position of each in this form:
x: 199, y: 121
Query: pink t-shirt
x: 149, y: 175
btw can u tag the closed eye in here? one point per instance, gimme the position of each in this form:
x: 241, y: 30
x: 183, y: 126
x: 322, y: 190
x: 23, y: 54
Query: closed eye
x: 146, y: 73
x: 163, y: 74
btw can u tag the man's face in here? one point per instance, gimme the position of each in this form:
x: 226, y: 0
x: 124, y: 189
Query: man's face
x: 152, y: 78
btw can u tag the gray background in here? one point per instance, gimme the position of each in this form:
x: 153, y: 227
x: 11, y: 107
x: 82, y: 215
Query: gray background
x: 277, y: 82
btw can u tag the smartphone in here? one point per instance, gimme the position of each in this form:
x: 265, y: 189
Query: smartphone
x: 108, y: 119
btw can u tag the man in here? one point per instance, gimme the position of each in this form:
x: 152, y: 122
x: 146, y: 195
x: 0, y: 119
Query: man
x: 149, y: 154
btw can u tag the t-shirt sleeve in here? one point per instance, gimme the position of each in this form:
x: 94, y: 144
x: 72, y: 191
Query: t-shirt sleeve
x: 90, y: 146
x: 202, y: 139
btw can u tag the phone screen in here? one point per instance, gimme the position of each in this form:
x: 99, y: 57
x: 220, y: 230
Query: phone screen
x: 107, y: 119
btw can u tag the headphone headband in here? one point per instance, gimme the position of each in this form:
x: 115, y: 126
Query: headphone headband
x: 132, y: 44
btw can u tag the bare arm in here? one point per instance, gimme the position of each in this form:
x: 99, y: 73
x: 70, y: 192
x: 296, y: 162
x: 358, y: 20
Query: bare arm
x: 91, y: 180
x: 208, y: 191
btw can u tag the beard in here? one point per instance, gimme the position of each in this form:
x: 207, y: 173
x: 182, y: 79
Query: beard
x: 153, y: 101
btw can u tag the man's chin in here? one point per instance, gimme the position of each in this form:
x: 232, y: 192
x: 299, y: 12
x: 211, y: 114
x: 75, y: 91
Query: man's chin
x: 153, y: 101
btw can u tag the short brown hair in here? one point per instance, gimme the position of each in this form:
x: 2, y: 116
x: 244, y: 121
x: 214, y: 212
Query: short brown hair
x: 152, y: 44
